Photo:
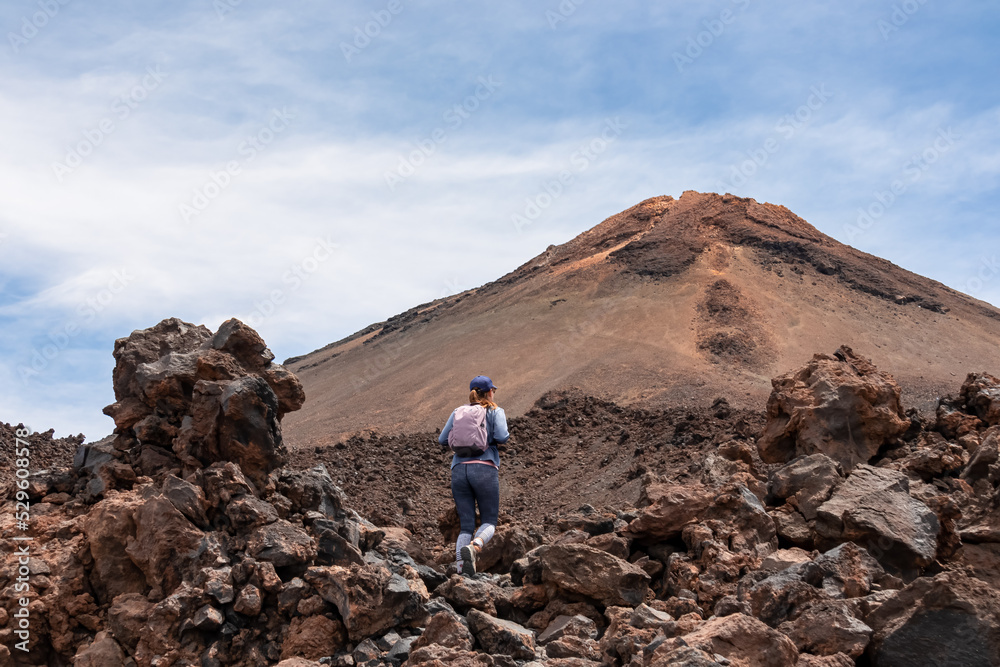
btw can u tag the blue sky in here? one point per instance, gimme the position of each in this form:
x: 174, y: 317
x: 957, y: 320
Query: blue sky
x: 314, y: 167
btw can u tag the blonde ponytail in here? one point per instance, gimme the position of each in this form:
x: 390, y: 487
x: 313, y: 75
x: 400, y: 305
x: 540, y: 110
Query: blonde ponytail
x: 482, y: 398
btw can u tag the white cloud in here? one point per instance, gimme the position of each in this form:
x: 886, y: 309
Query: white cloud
x: 449, y: 226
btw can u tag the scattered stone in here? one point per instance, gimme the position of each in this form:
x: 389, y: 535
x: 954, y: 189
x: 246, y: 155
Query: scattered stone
x: 839, y: 660
x: 370, y: 598
x: 300, y: 662
x: 785, y: 558
x: 933, y: 457
x: 249, y: 601
x: 334, y: 549
x: 670, y: 509
x: 791, y: 526
x: 951, y: 619
x: 730, y: 604
x: 188, y: 498
x: 400, y: 649
x: 645, y: 616
x: 874, y: 508
x: 980, y: 393
x: 104, y: 651
x: 109, y: 527
x: 249, y: 512
x: 446, y: 629
x: 571, y: 647
x: 313, y: 637
x: 805, y: 482
x: 312, y: 490
x: 208, y: 618
x: 168, y: 548
x: 986, y: 455
x: 589, y: 521
x: 614, y: 544
x: 828, y: 628
x: 739, y: 639
x: 504, y: 637
x: 282, y: 544
x: 128, y: 616
x: 584, y: 570
x: 465, y: 594
x: 839, y: 405
x: 568, y: 626
x: 366, y: 651
x: 439, y: 656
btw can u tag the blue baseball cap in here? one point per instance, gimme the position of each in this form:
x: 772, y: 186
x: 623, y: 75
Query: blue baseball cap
x: 482, y: 383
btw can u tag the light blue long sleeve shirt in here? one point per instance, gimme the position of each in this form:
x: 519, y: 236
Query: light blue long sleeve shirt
x: 496, y: 433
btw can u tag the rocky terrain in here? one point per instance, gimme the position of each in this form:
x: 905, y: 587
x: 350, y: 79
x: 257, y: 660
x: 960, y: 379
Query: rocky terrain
x: 837, y: 528
x: 46, y: 451
x: 671, y: 303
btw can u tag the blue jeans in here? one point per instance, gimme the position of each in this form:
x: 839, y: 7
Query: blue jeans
x: 471, y: 484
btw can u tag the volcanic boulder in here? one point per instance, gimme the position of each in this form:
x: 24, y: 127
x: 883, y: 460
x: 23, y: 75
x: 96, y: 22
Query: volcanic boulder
x: 671, y: 507
x: 874, y: 508
x: 583, y: 570
x: 981, y: 395
x: 503, y: 637
x: 446, y: 628
x: 109, y: 527
x: 313, y: 637
x: 466, y: 594
x: 952, y: 619
x: 839, y: 405
x: 167, y: 547
x: 805, y: 483
x: 370, y: 599
x: 185, y: 398
x: 740, y: 639
x: 103, y: 652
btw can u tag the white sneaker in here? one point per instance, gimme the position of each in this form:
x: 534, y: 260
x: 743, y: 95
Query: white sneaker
x: 468, y: 554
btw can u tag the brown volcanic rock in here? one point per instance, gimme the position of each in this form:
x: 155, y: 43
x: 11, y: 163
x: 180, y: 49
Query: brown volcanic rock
x: 201, y: 397
x: 225, y: 570
x: 282, y: 544
x: 806, y: 483
x: 742, y: 640
x: 496, y: 635
x: 874, y: 508
x: 828, y: 628
x: 672, y: 508
x: 313, y: 637
x: 167, y: 547
x: 446, y: 629
x: 671, y: 302
x: 839, y: 405
x: 370, y: 599
x: 466, y: 594
x: 109, y: 527
x: 584, y: 570
x: 103, y: 652
x: 46, y: 451
x: 981, y: 395
x: 170, y: 335
x: 839, y: 660
x: 952, y: 619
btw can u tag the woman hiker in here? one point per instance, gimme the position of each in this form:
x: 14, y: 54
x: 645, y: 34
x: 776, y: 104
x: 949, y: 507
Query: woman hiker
x: 475, y: 468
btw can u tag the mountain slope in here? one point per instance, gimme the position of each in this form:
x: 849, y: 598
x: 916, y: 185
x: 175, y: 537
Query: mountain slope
x: 671, y: 302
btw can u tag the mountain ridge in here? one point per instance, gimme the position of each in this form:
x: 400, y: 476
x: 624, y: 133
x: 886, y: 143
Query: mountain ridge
x: 672, y: 300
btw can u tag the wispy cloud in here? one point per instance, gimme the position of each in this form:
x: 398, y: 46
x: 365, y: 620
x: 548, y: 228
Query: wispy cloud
x: 220, y: 76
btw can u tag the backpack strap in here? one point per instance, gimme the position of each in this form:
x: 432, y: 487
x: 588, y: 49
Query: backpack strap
x: 489, y: 429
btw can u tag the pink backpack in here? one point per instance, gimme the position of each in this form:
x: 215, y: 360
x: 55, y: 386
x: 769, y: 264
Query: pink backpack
x: 468, y: 435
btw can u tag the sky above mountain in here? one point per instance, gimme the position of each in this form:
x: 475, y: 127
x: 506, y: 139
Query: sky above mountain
x: 313, y: 167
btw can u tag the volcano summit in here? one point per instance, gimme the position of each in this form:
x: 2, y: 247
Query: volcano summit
x: 671, y: 302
